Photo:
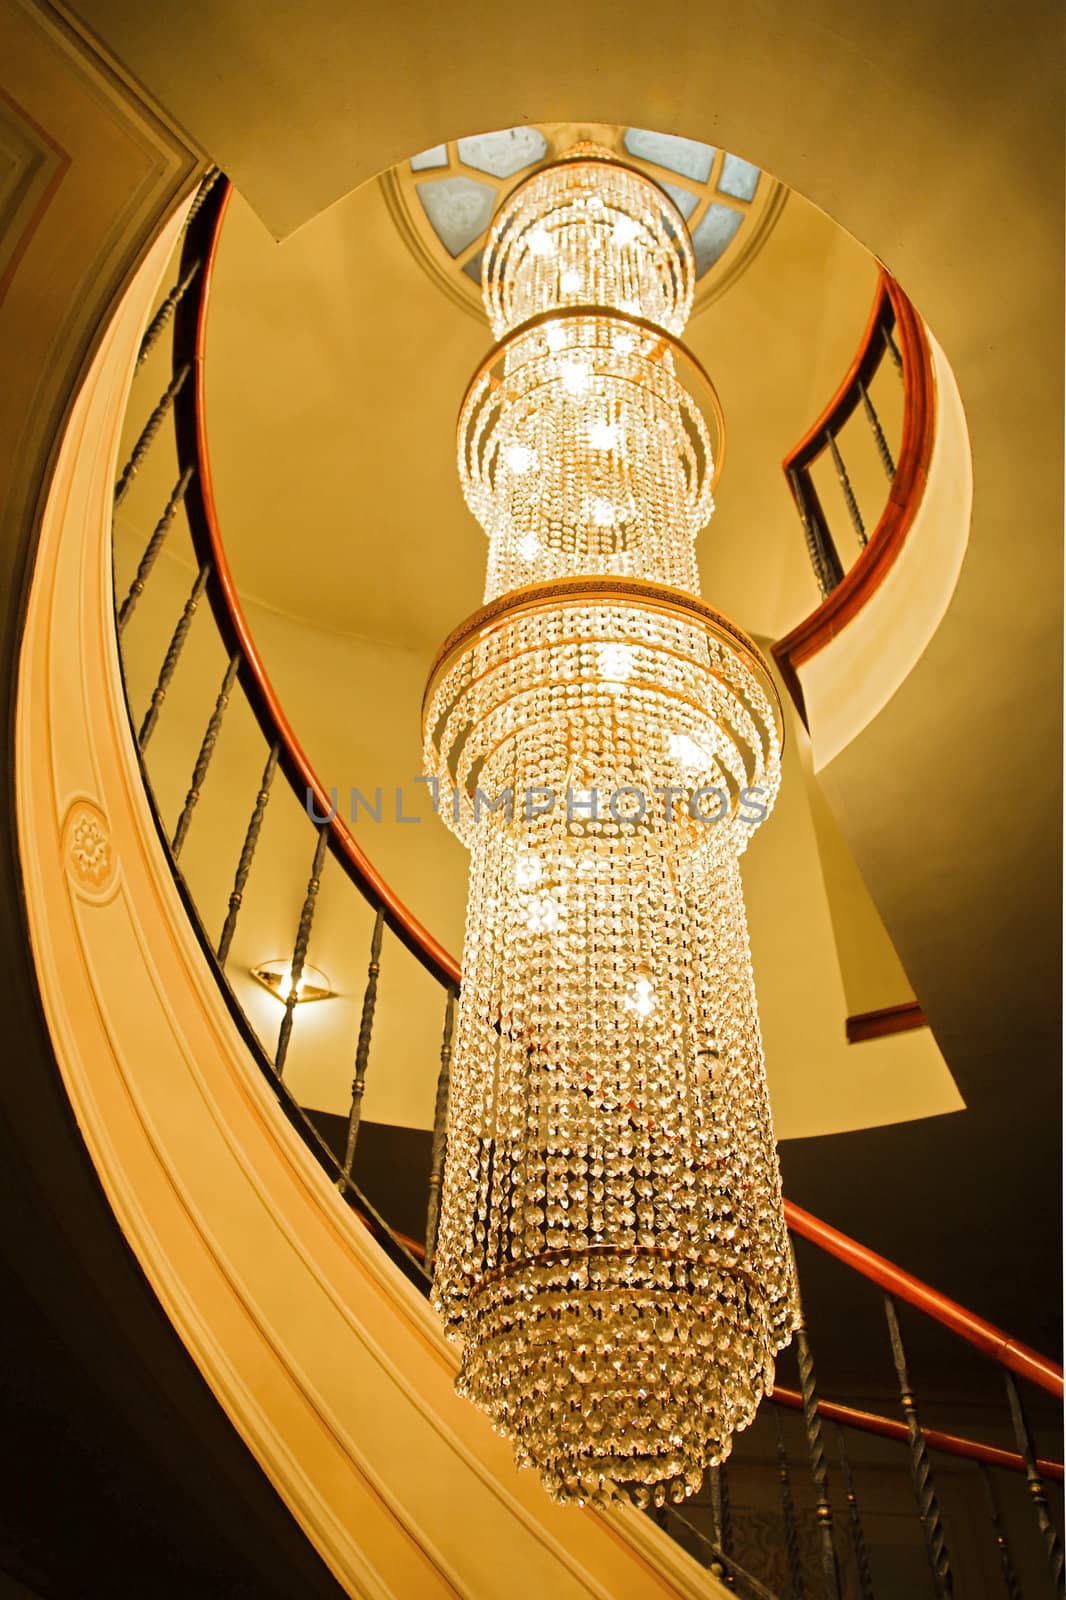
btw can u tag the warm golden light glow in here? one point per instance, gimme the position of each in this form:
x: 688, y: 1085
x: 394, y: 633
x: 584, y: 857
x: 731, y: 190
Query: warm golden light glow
x: 276, y: 976
x: 612, y: 1249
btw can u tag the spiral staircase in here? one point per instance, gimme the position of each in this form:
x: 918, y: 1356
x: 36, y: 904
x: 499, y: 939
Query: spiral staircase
x: 296, y: 1288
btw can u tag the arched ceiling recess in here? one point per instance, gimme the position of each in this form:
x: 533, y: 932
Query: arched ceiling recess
x: 443, y: 199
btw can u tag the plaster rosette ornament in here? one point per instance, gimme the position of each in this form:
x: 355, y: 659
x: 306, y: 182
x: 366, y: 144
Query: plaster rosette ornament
x: 612, y: 1250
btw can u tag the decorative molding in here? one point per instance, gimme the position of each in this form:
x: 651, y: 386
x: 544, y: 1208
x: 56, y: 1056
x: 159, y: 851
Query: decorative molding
x: 32, y: 166
x: 887, y: 1020
x: 89, y: 854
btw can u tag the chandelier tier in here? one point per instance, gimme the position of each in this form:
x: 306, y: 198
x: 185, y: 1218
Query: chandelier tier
x: 612, y: 1251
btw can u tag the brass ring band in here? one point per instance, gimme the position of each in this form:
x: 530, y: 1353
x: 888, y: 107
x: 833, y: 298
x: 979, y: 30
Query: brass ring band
x: 633, y: 592
x: 713, y: 408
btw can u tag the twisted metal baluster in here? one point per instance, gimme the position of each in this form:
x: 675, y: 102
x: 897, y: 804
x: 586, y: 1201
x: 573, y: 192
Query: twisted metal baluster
x: 921, y: 1470
x: 845, y: 483
x: 879, y: 434
x: 153, y: 547
x: 244, y: 865
x: 1006, y: 1561
x: 858, y: 1536
x: 362, y: 1049
x: 172, y: 657
x: 722, y: 1512
x: 1037, y: 1487
x: 149, y: 431
x: 165, y: 312
x: 788, y: 1511
x: 812, y: 1427
x: 207, y: 183
x: 203, y: 760
x: 825, y: 563
x: 440, y: 1112
x: 893, y: 350
x: 299, y: 954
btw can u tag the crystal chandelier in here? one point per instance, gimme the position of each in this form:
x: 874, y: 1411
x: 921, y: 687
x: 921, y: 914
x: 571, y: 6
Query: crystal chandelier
x: 612, y: 1250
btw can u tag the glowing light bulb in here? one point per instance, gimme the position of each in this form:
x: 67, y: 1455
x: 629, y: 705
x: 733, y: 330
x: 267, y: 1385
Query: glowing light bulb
x: 542, y: 914
x: 575, y: 377
x: 687, y: 753
x: 603, y: 435
x: 625, y: 230
x: 624, y: 342
x: 527, y: 869
x: 555, y: 339
x: 640, y: 997
x: 529, y: 547
x: 570, y: 280
x: 541, y: 242
x: 616, y: 662
x: 519, y: 457
x: 602, y: 512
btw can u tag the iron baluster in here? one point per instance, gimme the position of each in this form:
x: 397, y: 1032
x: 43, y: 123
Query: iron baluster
x: 845, y: 483
x: 203, y: 759
x: 812, y: 1427
x: 149, y: 431
x: 722, y: 1512
x: 1006, y: 1561
x: 207, y: 183
x: 879, y: 434
x: 1035, y: 1482
x: 893, y: 350
x: 153, y: 547
x: 858, y: 1536
x: 244, y: 865
x: 440, y: 1112
x: 825, y: 563
x: 921, y: 1469
x: 165, y: 312
x: 172, y: 657
x: 299, y: 953
x: 796, y: 1590
x: 362, y: 1049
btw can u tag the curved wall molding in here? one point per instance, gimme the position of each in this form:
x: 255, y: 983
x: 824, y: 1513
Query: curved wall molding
x: 330, y: 1365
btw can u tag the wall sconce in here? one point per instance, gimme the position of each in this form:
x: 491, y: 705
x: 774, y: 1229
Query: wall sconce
x: 276, y: 976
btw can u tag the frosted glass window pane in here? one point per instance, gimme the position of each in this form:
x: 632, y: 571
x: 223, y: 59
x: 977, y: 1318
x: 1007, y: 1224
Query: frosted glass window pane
x: 472, y: 268
x: 739, y: 178
x: 713, y: 233
x: 685, y: 201
x: 684, y: 156
x: 458, y: 208
x: 503, y: 154
x: 437, y: 157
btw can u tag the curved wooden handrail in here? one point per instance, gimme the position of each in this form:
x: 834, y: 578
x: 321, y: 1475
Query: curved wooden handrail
x: 865, y: 576
x: 417, y: 938
x: 992, y: 1341
x: 984, y: 1336
x: 889, y: 1428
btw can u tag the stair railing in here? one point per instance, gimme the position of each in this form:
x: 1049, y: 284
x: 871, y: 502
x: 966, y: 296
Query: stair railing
x: 894, y: 336
x: 841, y: 1564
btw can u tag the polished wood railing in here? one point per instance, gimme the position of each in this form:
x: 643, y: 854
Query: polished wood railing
x: 894, y: 335
x: 185, y: 306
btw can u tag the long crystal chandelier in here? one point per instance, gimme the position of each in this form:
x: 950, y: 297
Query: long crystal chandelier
x: 612, y: 1250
